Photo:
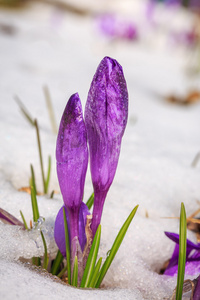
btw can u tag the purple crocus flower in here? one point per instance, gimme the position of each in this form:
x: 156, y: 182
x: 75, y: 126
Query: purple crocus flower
x: 114, y: 27
x: 192, y: 265
x: 106, y: 114
x: 72, y: 161
x: 196, y: 295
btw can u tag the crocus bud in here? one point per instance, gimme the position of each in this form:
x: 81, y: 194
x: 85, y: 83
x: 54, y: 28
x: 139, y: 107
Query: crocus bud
x: 59, y: 231
x: 72, y: 161
x: 106, y: 116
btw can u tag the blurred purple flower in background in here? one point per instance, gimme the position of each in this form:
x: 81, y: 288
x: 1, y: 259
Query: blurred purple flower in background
x: 192, y: 265
x: 117, y: 28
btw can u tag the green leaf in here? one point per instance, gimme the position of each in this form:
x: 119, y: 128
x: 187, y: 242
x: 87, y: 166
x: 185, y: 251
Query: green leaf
x: 56, y: 264
x: 62, y: 272
x: 36, y: 261
x: 35, y: 209
x: 33, y: 179
x: 52, y: 194
x: 75, y: 272
x: 23, y: 219
x: 48, y: 174
x: 96, y: 273
x: 40, y: 155
x: 46, y: 259
x: 24, y: 111
x: 115, y: 247
x: 67, y: 245
x: 90, y: 201
x: 182, y: 253
x: 91, y: 261
x: 50, y: 110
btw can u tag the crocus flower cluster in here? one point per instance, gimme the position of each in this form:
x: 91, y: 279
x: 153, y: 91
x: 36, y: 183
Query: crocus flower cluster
x: 192, y: 266
x: 106, y: 115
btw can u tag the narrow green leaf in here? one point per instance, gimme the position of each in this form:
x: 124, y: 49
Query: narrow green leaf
x: 62, y: 272
x: 33, y: 179
x: 48, y: 175
x: 23, y: 219
x: 36, y: 261
x: 52, y: 194
x: 115, y: 247
x: 46, y: 259
x: 24, y: 111
x: 90, y: 201
x: 67, y: 245
x: 196, y: 160
x: 96, y: 273
x: 40, y: 155
x: 75, y: 272
x: 50, y: 110
x: 56, y: 264
x: 182, y: 253
x: 91, y: 261
x: 35, y: 209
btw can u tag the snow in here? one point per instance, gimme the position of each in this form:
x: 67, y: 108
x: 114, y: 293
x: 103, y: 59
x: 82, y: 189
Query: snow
x: 62, y: 50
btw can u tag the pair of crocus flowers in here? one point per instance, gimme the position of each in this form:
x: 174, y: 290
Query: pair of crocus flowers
x: 106, y: 113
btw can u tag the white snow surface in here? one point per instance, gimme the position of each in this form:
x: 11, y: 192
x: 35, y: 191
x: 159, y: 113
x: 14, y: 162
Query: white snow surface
x: 62, y: 50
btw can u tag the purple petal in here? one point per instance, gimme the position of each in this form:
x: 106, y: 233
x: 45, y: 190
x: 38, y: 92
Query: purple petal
x: 192, y: 266
x: 106, y: 116
x: 83, y: 213
x: 72, y: 153
x: 112, y: 26
x: 59, y: 231
x: 196, y: 295
x: 175, y: 238
x: 7, y: 218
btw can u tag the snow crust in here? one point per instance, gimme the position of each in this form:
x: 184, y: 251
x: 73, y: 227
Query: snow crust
x: 63, y: 50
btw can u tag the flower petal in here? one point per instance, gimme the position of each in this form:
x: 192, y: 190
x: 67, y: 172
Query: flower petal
x: 72, y: 153
x: 196, y: 295
x: 192, y: 266
x: 106, y: 116
x: 59, y: 231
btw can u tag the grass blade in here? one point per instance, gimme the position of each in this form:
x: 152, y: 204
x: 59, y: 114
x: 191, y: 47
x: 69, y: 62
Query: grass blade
x: 52, y: 194
x: 96, y: 273
x: 35, y: 209
x: 56, y: 264
x: 40, y: 155
x: 46, y: 259
x: 90, y: 201
x: 33, y: 179
x: 24, y: 111
x: 196, y: 160
x: 23, y: 219
x: 182, y: 253
x: 75, y: 272
x: 62, y: 272
x: 50, y: 110
x: 36, y: 261
x: 91, y: 261
x: 67, y: 246
x: 48, y: 174
x: 115, y: 247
